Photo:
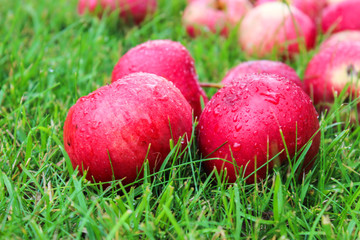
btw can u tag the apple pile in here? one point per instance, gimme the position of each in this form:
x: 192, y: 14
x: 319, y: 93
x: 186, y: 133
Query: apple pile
x: 263, y: 116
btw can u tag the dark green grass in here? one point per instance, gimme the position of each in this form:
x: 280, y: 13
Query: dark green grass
x: 49, y: 57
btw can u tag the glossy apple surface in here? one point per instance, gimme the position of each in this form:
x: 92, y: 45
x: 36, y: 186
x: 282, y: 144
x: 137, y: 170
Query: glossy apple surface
x: 113, y: 130
x: 245, y: 122
x: 168, y: 59
x: 262, y: 66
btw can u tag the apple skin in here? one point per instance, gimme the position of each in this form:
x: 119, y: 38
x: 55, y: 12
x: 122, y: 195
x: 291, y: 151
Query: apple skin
x: 130, y: 10
x: 262, y: 66
x: 343, y: 36
x: 120, y: 121
x: 341, y: 16
x: 312, y: 8
x: 214, y: 16
x: 243, y: 120
x: 271, y: 26
x: 330, y: 70
x: 168, y: 59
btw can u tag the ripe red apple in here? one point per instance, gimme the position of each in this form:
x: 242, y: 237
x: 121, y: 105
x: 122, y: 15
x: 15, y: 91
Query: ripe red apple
x: 275, y: 27
x: 330, y: 70
x: 341, y: 16
x: 312, y: 8
x: 129, y: 10
x: 215, y: 16
x: 245, y: 121
x: 113, y: 130
x: 262, y: 66
x: 168, y: 59
x: 343, y: 36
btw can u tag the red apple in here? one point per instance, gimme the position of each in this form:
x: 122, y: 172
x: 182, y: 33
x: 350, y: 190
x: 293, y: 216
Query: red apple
x: 312, y: 8
x: 168, y: 59
x: 215, y: 16
x: 244, y: 122
x: 129, y: 10
x: 275, y: 27
x: 331, y: 70
x: 113, y: 130
x: 343, y: 36
x: 341, y: 16
x: 262, y: 66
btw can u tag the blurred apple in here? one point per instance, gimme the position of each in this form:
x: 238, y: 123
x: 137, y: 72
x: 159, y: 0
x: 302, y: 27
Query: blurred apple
x: 214, y: 16
x: 129, y: 10
x: 276, y: 28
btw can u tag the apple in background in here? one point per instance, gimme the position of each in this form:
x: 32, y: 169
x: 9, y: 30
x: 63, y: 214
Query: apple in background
x: 341, y: 16
x: 275, y: 27
x: 111, y: 131
x: 343, y: 36
x: 312, y: 8
x: 262, y: 66
x: 330, y: 70
x: 214, y: 16
x: 129, y: 10
x: 168, y: 59
x: 245, y: 121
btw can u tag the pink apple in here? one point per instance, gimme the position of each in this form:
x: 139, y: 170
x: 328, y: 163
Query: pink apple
x: 277, y: 28
x: 214, y: 16
x: 112, y: 131
x: 129, y: 10
x: 343, y: 36
x: 341, y: 16
x: 331, y: 70
x: 262, y: 66
x: 312, y: 8
x: 247, y: 121
x: 168, y: 59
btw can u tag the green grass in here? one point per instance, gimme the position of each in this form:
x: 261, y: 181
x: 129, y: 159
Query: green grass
x: 49, y: 57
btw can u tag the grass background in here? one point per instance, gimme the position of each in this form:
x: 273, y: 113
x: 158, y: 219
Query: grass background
x: 49, y: 57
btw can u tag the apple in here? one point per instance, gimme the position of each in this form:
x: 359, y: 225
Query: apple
x: 129, y: 10
x: 168, y: 59
x: 246, y: 121
x: 111, y: 132
x: 331, y: 70
x: 312, y: 8
x: 262, y: 66
x: 275, y: 27
x: 343, y: 36
x: 341, y: 16
x: 214, y: 16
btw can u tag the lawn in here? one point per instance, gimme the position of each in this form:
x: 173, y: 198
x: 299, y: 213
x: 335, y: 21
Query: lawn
x: 49, y: 57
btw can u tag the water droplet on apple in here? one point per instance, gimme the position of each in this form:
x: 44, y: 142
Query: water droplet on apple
x: 236, y: 146
x: 238, y: 127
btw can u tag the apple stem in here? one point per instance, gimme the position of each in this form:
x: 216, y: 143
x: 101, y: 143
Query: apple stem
x: 211, y: 85
x: 219, y: 5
